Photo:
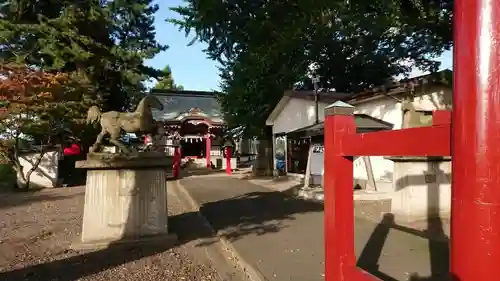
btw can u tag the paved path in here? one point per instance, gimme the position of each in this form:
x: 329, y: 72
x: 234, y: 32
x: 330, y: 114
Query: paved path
x: 282, y: 237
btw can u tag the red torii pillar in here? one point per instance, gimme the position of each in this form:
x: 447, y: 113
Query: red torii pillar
x: 475, y: 223
x: 228, y: 160
x: 208, y: 150
x: 177, y: 158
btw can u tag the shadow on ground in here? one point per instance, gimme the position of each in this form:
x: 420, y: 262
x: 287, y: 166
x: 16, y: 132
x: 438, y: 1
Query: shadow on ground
x: 256, y: 213
x: 438, y: 241
x: 260, y: 213
x: 253, y: 213
x: 30, y: 196
x: 75, y: 267
x: 438, y: 248
x: 72, y: 265
x: 189, y: 172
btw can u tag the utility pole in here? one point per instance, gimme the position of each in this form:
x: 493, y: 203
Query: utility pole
x: 315, y: 81
x: 307, y: 179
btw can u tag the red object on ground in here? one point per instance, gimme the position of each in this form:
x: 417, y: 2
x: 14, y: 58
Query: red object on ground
x: 74, y: 149
x: 228, y: 160
x: 177, y: 161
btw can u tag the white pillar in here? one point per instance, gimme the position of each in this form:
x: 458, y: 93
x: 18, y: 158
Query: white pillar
x: 307, y: 176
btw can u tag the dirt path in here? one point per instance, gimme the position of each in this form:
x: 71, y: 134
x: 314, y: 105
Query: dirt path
x: 37, y: 228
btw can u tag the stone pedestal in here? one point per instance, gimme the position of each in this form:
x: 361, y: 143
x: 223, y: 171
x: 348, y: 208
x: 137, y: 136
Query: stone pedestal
x: 422, y: 188
x: 125, y: 199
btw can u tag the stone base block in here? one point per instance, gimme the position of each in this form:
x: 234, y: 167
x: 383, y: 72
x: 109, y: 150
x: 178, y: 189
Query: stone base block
x: 124, y: 197
x: 419, y: 204
x: 422, y: 189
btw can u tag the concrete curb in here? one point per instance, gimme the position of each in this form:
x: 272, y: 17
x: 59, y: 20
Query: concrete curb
x: 251, y: 273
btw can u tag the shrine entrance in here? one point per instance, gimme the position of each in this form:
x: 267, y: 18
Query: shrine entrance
x: 193, y: 118
x: 193, y: 134
x: 193, y: 148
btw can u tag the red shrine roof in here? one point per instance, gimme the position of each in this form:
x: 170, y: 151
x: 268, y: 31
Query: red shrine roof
x: 184, y: 105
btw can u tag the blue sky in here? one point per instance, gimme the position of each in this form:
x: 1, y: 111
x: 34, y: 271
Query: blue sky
x: 446, y: 60
x: 190, y: 66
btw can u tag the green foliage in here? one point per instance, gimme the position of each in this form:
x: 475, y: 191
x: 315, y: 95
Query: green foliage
x: 38, y: 109
x: 7, y: 176
x: 108, y: 41
x: 166, y: 82
x: 41, y: 104
x: 266, y: 47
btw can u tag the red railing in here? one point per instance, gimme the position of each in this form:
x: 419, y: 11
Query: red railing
x: 341, y: 143
x: 473, y: 140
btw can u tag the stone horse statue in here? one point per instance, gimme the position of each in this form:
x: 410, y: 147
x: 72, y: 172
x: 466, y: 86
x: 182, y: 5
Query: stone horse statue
x: 113, y: 123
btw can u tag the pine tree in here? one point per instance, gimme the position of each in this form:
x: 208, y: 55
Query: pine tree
x: 106, y: 40
x: 166, y: 82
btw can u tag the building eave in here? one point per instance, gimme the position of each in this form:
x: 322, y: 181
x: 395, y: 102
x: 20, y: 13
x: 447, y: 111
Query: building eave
x: 277, y: 110
x: 206, y: 94
x: 401, y: 87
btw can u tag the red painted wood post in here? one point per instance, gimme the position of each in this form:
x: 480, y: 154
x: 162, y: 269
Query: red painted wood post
x: 177, y: 159
x: 208, y: 150
x: 228, y: 160
x: 475, y: 222
x: 338, y: 190
x: 440, y: 117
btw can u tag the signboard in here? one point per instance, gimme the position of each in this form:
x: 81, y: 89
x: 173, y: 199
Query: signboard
x: 318, y: 148
x: 317, y: 159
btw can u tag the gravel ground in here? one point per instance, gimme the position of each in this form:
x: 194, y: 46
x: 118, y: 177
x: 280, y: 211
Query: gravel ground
x: 37, y: 228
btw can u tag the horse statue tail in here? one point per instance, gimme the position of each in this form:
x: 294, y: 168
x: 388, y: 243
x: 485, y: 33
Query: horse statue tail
x: 93, y: 115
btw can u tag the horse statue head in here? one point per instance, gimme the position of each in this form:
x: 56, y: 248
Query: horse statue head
x: 149, y: 102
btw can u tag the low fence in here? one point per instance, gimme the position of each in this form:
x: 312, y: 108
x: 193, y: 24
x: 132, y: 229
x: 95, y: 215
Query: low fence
x: 341, y: 144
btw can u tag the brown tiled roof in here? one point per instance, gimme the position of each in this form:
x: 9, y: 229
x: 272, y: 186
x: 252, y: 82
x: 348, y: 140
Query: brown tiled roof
x: 183, y: 92
x: 326, y: 97
x: 177, y: 103
x: 364, y: 123
x: 403, y: 86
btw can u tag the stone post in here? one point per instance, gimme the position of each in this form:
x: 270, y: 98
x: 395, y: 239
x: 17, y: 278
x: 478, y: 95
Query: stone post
x: 125, y: 199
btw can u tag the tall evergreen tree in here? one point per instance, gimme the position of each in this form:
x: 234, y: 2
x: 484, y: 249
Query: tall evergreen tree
x: 166, y: 82
x: 266, y: 47
x: 107, y: 40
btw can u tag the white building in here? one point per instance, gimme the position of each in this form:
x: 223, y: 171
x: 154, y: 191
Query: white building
x: 402, y: 104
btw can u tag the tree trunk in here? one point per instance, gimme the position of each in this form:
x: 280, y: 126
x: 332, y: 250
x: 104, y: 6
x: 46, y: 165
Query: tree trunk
x: 264, y: 162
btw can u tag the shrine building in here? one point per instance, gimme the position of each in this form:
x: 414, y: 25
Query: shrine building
x: 194, y: 119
